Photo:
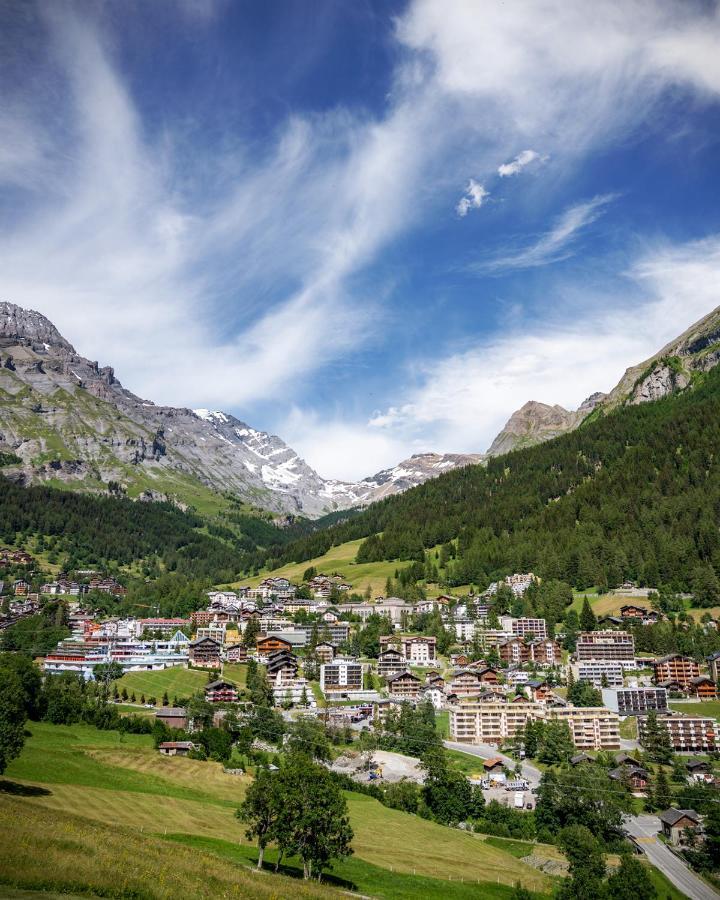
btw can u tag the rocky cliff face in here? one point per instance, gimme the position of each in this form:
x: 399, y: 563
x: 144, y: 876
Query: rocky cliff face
x: 536, y: 422
x: 672, y: 369
x: 70, y: 420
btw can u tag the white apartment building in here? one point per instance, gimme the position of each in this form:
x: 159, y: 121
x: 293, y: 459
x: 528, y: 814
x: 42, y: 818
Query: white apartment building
x: 341, y: 675
x: 595, y: 670
x: 592, y: 728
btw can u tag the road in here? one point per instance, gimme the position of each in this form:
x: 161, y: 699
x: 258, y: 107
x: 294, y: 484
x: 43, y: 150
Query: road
x: 644, y: 829
x: 487, y: 751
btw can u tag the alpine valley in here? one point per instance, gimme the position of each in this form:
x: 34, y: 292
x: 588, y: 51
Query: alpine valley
x: 67, y: 421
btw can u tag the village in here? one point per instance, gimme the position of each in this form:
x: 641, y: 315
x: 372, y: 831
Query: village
x: 496, y: 679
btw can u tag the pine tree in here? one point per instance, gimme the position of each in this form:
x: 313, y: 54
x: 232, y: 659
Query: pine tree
x: 588, y: 619
x: 663, y: 795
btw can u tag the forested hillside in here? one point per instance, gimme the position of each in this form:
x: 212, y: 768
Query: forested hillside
x: 631, y: 494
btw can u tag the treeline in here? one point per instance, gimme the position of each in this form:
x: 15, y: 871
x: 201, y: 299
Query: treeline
x: 103, y: 532
x: 632, y: 495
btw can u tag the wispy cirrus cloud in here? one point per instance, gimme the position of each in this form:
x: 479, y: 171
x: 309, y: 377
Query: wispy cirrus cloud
x: 222, y: 271
x: 552, y: 246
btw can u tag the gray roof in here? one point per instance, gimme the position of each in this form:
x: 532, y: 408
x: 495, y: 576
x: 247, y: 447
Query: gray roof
x: 672, y: 816
x: 173, y: 711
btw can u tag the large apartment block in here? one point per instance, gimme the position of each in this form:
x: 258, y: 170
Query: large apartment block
x: 592, y: 728
x: 635, y: 701
x: 341, y: 675
x: 523, y: 626
x: 675, y: 668
x: 597, y: 671
x: 607, y: 645
x: 689, y: 733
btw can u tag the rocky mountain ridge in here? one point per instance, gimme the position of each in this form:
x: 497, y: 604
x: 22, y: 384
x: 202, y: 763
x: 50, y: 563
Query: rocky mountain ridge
x: 71, y: 421
x: 672, y: 369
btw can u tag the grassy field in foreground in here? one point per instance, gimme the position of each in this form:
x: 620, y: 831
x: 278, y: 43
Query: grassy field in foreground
x: 104, y: 777
x: 364, y: 876
x: 54, y: 851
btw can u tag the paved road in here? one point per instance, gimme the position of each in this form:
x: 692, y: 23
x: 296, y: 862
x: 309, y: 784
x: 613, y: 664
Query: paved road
x: 643, y: 829
x: 487, y: 751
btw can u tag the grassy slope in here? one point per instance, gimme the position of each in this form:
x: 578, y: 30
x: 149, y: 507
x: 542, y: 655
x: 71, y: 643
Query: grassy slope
x: 102, y: 777
x: 699, y: 708
x: 341, y: 559
x: 177, y: 681
x: 53, y: 850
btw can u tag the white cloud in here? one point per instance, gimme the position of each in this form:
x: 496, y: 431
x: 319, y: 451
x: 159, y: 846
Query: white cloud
x: 475, y: 196
x: 524, y: 158
x: 465, y: 398
x: 555, y: 244
x: 342, y: 449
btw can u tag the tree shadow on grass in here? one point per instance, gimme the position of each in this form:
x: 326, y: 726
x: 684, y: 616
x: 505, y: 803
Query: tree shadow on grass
x: 295, y: 871
x: 22, y: 790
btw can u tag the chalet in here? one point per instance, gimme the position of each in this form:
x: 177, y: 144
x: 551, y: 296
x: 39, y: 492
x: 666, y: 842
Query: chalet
x: 635, y: 777
x: 488, y: 675
x: 282, y: 661
x: 205, y: 652
x: 341, y: 675
x: 699, y: 770
x: 581, y: 758
x: 405, y: 685
x: 629, y: 611
x: 267, y: 644
x: 330, y: 616
x: 538, y: 691
x: 390, y: 662
x: 20, y: 587
x: 675, y: 667
x: 493, y: 766
x: 673, y: 687
x: 176, y: 748
x: 221, y: 692
x: 325, y: 651
x: 466, y: 683
x: 236, y: 653
x: 435, y: 680
x: 624, y: 759
x: 702, y: 687
x: 675, y: 822
x: 460, y: 660
x: 172, y: 716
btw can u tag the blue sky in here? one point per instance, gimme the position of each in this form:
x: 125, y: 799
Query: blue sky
x: 372, y: 228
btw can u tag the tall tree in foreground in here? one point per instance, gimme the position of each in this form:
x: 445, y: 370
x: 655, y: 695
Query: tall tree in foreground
x: 260, y: 810
x: 12, y: 716
x: 314, y: 823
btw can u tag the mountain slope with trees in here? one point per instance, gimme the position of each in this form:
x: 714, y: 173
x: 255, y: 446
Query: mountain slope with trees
x: 632, y: 494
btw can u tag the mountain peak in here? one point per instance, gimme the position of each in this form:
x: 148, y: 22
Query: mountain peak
x: 28, y: 324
